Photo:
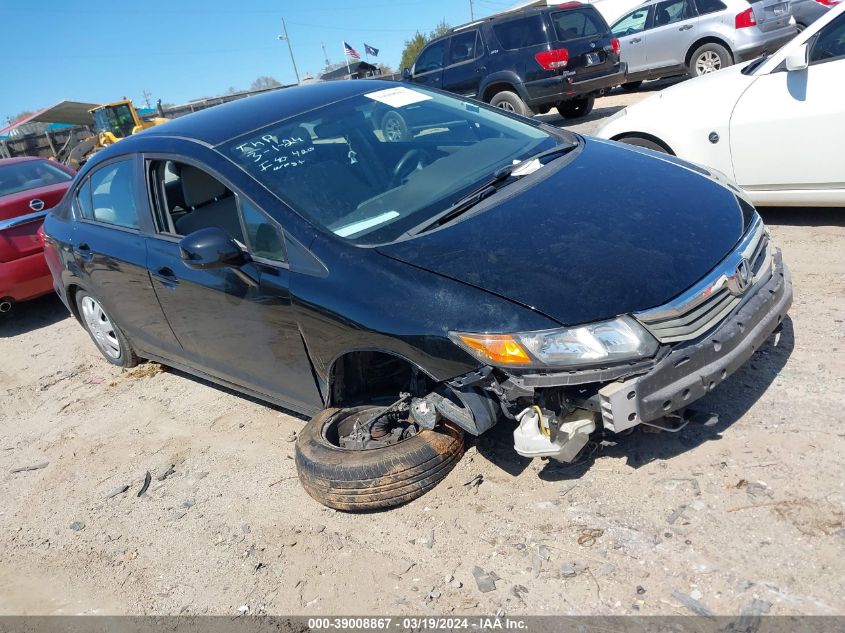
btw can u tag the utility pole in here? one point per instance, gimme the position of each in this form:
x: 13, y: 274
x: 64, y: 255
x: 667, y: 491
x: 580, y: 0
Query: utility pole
x: 471, y: 12
x: 285, y: 38
x: 147, y: 94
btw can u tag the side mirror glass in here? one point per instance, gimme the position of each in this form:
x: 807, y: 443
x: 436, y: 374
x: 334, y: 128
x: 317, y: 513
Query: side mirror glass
x: 210, y: 248
x: 798, y: 59
x: 406, y: 73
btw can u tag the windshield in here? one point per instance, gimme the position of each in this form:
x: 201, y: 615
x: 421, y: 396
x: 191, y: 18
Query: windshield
x: 115, y: 119
x: 371, y: 167
x: 30, y: 174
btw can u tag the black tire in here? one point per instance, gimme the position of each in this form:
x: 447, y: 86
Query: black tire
x: 639, y: 141
x: 377, y: 478
x: 631, y: 85
x: 115, y: 349
x: 708, y: 58
x: 510, y: 102
x: 800, y: 26
x: 394, y: 128
x: 576, y: 108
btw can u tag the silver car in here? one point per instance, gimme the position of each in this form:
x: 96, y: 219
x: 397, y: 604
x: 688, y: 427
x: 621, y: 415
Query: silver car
x: 663, y: 38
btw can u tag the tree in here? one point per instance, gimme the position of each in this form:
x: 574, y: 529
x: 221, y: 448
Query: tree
x: 263, y: 83
x: 414, y: 45
x: 385, y: 69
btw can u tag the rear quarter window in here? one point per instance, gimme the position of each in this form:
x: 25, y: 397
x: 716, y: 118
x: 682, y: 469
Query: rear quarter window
x: 521, y: 33
x: 578, y: 23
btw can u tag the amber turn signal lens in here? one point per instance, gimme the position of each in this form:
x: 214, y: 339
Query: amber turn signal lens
x: 499, y: 348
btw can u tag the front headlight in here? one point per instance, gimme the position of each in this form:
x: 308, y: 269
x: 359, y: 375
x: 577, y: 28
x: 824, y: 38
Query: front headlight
x: 618, y: 340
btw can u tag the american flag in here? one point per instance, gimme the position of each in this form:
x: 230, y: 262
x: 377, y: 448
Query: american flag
x: 350, y: 52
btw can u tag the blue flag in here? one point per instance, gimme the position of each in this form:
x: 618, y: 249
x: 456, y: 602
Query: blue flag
x: 370, y: 50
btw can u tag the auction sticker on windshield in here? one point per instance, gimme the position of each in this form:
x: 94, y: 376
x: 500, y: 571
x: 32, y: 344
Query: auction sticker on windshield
x: 398, y: 97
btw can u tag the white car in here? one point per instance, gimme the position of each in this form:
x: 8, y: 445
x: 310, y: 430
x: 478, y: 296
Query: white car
x: 776, y: 125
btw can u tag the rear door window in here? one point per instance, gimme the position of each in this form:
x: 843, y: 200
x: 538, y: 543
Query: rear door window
x: 671, y: 11
x: 710, y: 6
x: 577, y: 23
x: 522, y: 33
x: 112, y: 195
x: 465, y: 47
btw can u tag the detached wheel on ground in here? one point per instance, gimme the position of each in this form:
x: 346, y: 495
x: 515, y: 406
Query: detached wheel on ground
x: 105, y: 333
x: 708, y: 58
x: 347, y: 461
x: 576, y: 108
x: 511, y: 102
x: 394, y: 128
x: 640, y: 141
x: 631, y: 85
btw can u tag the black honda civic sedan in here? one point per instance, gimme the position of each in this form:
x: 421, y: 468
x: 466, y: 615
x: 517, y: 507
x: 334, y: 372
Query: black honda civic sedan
x: 485, y: 269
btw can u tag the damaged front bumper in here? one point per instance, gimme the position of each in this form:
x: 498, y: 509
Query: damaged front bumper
x: 554, y: 408
x: 691, y: 370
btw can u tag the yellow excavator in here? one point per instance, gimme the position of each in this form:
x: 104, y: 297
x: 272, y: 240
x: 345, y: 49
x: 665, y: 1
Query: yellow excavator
x: 112, y: 122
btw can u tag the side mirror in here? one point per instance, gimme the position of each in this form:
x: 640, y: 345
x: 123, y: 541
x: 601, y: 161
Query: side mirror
x: 406, y: 74
x: 798, y: 59
x: 210, y: 248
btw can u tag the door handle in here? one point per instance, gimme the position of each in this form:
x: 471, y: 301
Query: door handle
x: 481, y: 69
x: 685, y: 27
x: 84, y: 251
x: 635, y: 40
x: 166, y: 276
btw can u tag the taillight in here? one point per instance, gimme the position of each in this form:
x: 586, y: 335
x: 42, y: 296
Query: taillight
x: 617, y: 47
x: 569, y: 5
x: 828, y: 3
x: 745, y: 19
x: 40, y: 234
x: 554, y: 59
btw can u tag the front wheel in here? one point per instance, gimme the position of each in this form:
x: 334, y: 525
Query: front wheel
x: 639, y: 141
x: 708, y: 58
x: 347, y: 464
x: 105, y: 333
x: 576, y: 108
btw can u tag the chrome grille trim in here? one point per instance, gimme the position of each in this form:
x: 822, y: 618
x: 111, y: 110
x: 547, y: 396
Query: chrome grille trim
x: 706, y: 304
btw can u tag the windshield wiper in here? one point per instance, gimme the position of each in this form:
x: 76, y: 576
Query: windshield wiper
x: 486, y: 190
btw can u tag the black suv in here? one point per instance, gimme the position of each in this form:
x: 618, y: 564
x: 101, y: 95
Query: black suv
x: 527, y: 61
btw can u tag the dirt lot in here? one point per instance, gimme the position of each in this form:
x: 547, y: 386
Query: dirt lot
x: 753, y: 507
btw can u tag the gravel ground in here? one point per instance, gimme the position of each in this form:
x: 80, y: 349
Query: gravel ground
x: 657, y: 523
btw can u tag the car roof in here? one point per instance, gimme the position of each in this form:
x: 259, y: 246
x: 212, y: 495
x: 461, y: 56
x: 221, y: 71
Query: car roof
x: 221, y: 123
x: 19, y: 159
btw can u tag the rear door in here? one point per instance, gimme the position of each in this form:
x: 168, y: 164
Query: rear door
x: 428, y: 69
x: 109, y: 254
x: 673, y: 30
x: 463, y: 71
x: 585, y: 35
x: 631, y: 31
x: 771, y: 14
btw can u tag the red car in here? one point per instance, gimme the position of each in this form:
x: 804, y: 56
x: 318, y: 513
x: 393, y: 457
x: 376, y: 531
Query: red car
x: 28, y: 188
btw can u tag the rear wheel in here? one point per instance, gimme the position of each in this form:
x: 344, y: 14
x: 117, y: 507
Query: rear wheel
x: 576, y: 108
x: 639, y: 141
x: 105, y: 333
x: 708, y: 58
x: 510, y: 102
x: 800, y: 26
x: 347, y: 462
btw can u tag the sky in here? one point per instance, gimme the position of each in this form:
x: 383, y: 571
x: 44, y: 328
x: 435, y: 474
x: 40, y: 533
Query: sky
x: 178, y: 50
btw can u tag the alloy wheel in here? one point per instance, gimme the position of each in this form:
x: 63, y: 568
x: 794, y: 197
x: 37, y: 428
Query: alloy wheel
x: 392, y: 130
x: 506, y: 106
x: 100, y: 327
x: 707, y: 62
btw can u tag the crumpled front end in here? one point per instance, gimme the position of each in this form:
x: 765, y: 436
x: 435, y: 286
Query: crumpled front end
x: 705, y: 335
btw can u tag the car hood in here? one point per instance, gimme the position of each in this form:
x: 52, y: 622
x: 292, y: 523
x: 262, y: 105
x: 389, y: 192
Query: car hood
x: 615, y: 231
